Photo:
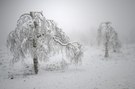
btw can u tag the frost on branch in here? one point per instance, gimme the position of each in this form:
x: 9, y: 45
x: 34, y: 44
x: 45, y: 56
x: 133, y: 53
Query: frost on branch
x: 40, y: 38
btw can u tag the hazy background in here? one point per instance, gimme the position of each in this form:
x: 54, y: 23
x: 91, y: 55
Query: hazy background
x: 78, y: 18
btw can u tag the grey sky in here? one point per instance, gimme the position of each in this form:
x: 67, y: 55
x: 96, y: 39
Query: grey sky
x: 78, y: 18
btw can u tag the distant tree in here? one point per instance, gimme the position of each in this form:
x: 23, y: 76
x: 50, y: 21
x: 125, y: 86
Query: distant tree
x: 109, y: 37
x: 40, y: 38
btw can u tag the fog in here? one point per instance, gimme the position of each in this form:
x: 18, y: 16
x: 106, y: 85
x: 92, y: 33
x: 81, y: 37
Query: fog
x: 79, y: 19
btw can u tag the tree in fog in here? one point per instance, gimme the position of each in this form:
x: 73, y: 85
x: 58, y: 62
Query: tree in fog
x: 108, y: 37
x: 40, y: 38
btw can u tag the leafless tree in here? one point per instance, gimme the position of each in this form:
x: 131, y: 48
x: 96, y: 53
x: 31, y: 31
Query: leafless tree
x: 109, y: 37
x: 40, y: 38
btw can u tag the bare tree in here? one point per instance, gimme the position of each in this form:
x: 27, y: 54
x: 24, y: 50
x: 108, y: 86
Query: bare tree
x: 109, y: 37
x: 40, y: 38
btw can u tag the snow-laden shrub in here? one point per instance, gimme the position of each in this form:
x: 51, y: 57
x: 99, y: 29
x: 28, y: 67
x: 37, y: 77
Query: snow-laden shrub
x: 61, y: 65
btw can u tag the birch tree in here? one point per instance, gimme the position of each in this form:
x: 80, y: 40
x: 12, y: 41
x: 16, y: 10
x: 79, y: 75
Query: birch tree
x: 41, y: 38
x: 108, y: 37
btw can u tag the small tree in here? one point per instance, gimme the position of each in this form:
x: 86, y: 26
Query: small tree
x: 40, y: 38
x: 109, y: 37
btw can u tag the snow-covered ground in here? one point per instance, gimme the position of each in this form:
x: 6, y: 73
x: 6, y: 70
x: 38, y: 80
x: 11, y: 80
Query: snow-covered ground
x: 96, y: 72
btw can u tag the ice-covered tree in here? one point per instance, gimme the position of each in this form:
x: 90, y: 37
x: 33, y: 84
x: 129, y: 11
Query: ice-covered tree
x: 108, y: 37
x: 40, y: 38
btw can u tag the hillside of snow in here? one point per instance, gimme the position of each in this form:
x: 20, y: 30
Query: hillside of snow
x: 96, y: 72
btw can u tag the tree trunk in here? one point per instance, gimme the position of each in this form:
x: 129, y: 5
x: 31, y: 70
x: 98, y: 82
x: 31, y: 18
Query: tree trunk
x: 106, y: 44
x: 35, y: 58
x: 106, y: 49
x: 35, y: 65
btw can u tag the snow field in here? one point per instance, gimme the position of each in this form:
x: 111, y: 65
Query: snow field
x: 96, y: 72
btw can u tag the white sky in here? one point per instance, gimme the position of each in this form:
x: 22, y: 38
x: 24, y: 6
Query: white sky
x: 78, y: 18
